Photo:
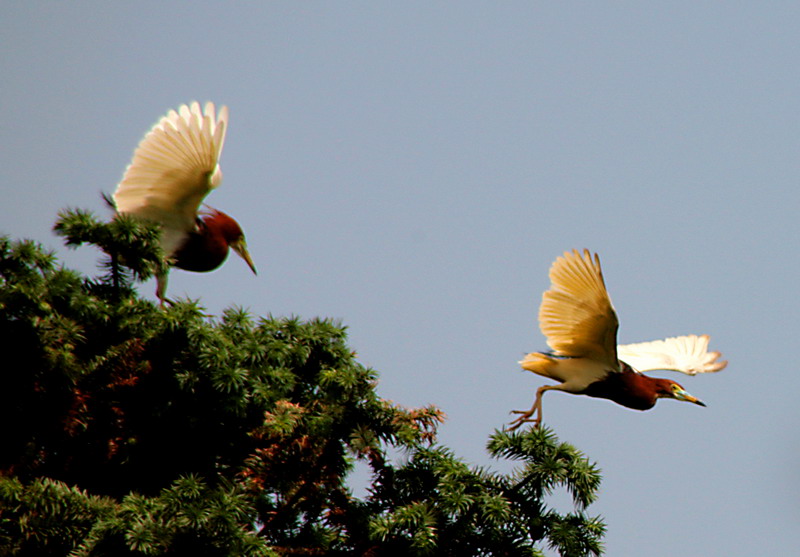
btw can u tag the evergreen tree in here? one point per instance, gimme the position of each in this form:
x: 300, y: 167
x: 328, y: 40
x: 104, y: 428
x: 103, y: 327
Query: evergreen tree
x: 131, y: 429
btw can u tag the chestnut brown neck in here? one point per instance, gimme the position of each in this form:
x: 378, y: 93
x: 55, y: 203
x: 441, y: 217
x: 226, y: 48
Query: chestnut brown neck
x: 630, y: 389
x: 206, y: 248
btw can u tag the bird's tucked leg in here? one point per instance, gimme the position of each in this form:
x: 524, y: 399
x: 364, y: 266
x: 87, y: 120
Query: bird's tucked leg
x: 525, y: 415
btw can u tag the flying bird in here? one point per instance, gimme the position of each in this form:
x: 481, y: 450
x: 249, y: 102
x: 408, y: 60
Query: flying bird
x: 174, y: 168
x: 581, y: 325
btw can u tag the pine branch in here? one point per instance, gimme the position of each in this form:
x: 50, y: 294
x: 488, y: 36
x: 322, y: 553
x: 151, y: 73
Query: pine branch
x: 136, y: 429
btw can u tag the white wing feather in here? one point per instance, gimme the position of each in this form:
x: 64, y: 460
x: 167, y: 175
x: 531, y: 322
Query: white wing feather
x: 687, y: 354
x: 173, y: 169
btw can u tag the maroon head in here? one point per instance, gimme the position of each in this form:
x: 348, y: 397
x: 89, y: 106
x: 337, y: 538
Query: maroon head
x: 229, y: 229
x: 207, y: 247
x: 665, y: 388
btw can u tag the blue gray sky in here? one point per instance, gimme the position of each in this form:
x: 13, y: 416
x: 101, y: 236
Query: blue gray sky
x: 414, y: 168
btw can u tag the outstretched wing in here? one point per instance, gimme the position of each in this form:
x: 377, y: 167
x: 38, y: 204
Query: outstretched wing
x: 688, y: 354
x: 174, y: 167
x: 576, y: 314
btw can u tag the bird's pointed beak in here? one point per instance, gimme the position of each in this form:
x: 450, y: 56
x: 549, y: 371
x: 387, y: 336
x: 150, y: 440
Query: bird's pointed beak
x: 240, y: 247
x: 683, y: 395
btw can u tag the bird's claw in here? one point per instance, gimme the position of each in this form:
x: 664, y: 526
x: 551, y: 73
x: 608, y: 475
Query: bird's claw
x: 524, y: 418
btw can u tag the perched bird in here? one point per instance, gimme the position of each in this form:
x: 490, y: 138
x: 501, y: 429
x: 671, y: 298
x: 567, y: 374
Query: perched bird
x: 173, y: 169
x: 580, y: 324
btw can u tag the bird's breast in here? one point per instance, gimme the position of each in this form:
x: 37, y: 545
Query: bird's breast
x: 626, y: 388
x: 201, y: 252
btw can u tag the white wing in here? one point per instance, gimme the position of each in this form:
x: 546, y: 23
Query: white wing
x: 174, y: 167
x: 688, y: 354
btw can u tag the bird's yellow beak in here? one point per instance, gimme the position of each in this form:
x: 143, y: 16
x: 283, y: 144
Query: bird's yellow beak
x: 683, y: 395
x: 240, y: 247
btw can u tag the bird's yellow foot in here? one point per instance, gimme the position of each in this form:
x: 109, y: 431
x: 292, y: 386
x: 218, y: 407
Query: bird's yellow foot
x: 524, y: 418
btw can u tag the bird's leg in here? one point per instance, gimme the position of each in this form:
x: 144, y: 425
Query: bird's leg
x: 525, y: 416
x: 161, y: 288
